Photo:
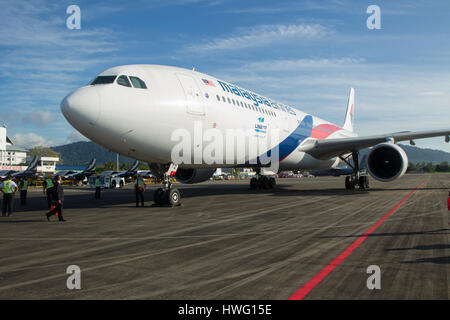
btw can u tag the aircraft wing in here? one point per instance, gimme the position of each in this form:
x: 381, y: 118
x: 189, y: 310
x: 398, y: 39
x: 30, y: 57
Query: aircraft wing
x: 326, y: 149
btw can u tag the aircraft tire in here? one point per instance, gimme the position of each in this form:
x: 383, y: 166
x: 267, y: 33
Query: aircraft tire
x: 174, y: 197
x: 347, y: 183
x: 158, y: 196
x: 362, y: 182
x: 253, y: 183
x: 264, y: 182
x: 272, y: 182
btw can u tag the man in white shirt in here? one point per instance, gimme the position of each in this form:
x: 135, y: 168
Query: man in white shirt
x: 9, y: 189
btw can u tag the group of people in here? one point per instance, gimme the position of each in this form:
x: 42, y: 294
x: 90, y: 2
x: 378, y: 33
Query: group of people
x: 9, y: 189
x: 54, y: 191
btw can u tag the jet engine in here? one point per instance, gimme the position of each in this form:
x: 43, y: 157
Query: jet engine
x: 387, y: 162
x: 194, y: 175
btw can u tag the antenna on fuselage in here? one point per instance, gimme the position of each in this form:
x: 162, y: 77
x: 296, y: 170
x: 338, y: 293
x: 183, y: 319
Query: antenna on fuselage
x: 193, y: 68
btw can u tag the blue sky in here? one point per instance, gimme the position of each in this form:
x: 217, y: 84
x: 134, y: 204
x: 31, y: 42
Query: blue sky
x: 304, y: 53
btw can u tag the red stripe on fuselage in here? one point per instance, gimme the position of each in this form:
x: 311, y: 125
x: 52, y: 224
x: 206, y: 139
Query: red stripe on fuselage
x: 323, y: 131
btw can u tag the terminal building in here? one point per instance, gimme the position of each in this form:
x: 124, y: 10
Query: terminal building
x: 11, y: 156
x: 15, y: 158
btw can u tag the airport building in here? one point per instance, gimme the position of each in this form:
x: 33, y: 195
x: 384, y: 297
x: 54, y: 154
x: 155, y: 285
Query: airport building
x: 11, y: 156
x: 47, y: 165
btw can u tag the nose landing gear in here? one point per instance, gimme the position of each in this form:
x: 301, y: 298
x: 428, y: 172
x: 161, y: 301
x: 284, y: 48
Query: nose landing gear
x: 167, y: 195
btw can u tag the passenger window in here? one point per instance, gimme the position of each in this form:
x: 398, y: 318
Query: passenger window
x: 229, y: 101
x: 123, y: 81
x: 138, y: 83
x: 223, y: 99
x: 218, y: 98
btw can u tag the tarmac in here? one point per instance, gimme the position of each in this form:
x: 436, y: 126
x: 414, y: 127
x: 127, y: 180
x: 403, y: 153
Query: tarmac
x: 229, y: 242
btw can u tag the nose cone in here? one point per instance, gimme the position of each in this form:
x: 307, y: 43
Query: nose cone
x: 82, y: 107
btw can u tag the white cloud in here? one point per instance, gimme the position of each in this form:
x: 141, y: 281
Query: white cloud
x: 262, y: 35
x: 31, y: 140
x: 40, y: 117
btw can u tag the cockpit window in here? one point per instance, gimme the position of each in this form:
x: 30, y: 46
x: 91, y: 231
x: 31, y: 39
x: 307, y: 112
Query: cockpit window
x: 103, y: 80
x: 138, y: 83
x: 123, y: 81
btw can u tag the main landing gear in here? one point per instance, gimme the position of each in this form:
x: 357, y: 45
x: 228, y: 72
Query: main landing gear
x: 167, y: 195
x: 356, y: 179
x: 262, y: 182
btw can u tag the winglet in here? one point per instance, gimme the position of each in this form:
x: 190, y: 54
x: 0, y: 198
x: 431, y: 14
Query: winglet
x: 348, y: 124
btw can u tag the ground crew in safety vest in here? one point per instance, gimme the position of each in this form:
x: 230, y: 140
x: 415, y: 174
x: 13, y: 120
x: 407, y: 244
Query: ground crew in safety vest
x: 23, y: 186
x: 139, y: 186
x: 9, y: 189
x: 98, y: 187
x: 48, y: 186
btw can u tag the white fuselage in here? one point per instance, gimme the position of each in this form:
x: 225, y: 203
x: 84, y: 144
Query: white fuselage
x: 140, y: 123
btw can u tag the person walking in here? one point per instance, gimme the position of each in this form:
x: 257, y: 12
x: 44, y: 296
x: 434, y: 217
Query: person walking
x: 98, y: 187
x: 9, y: 189
x: 139, y: 186
x: 23, y: 186
x: 58, y: 196
x: 48, y: 189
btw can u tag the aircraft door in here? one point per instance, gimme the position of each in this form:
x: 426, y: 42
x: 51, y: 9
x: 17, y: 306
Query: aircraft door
x: 194, y: 98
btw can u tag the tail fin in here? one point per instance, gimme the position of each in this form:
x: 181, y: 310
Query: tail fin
x: 348, y: 124
x: 33, y: 164
x: 134, y: 166
x: 91, y: 165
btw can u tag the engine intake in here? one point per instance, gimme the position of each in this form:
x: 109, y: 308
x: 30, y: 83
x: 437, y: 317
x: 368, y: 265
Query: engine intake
x: 194, y: 175
x: 387, y: 162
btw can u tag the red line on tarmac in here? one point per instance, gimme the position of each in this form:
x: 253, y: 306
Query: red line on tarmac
x: 311, y: 284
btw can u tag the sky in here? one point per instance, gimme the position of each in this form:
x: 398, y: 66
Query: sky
x: 307, y: 54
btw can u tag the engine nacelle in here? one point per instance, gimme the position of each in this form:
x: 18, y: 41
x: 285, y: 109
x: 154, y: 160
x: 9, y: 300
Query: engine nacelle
x: 194, y: 175
x: 387, y: 162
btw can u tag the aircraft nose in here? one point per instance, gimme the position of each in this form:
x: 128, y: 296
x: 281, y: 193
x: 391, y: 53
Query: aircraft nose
x: 82, y: 107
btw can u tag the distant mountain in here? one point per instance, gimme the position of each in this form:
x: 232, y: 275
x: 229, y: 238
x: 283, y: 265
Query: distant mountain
x: 82, y: 152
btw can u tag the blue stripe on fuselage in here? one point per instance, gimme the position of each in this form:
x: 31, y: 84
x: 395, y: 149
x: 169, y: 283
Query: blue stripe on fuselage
x: 291, y: 142
x: 303, y: 131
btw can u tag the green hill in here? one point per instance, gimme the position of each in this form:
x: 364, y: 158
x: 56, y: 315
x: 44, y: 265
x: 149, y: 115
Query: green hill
x: 79, y: 153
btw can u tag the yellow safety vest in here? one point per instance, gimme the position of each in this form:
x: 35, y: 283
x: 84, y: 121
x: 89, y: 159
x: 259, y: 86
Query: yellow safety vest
x: 97, y: 182
x: 49, y: 183
x: 141, y: 183
x: 7, y: 187
x: 25, y: 186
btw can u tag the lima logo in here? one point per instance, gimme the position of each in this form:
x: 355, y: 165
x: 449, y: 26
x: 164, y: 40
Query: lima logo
x: 260, y: 127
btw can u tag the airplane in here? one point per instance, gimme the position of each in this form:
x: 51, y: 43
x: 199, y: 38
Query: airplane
x: 130, y: 172
x: 170, y: 98
x: 80, y: 176
x: 123, y: 174
x: 5, y: 173
x: 29, y: 172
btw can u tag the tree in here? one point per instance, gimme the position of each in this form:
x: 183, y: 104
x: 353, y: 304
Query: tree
x: 41, y: 151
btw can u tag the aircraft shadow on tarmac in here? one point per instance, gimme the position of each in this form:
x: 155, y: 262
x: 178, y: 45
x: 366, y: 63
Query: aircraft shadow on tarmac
x: 111, y: 198
x: 437, y: 260
x: 392, y: 234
